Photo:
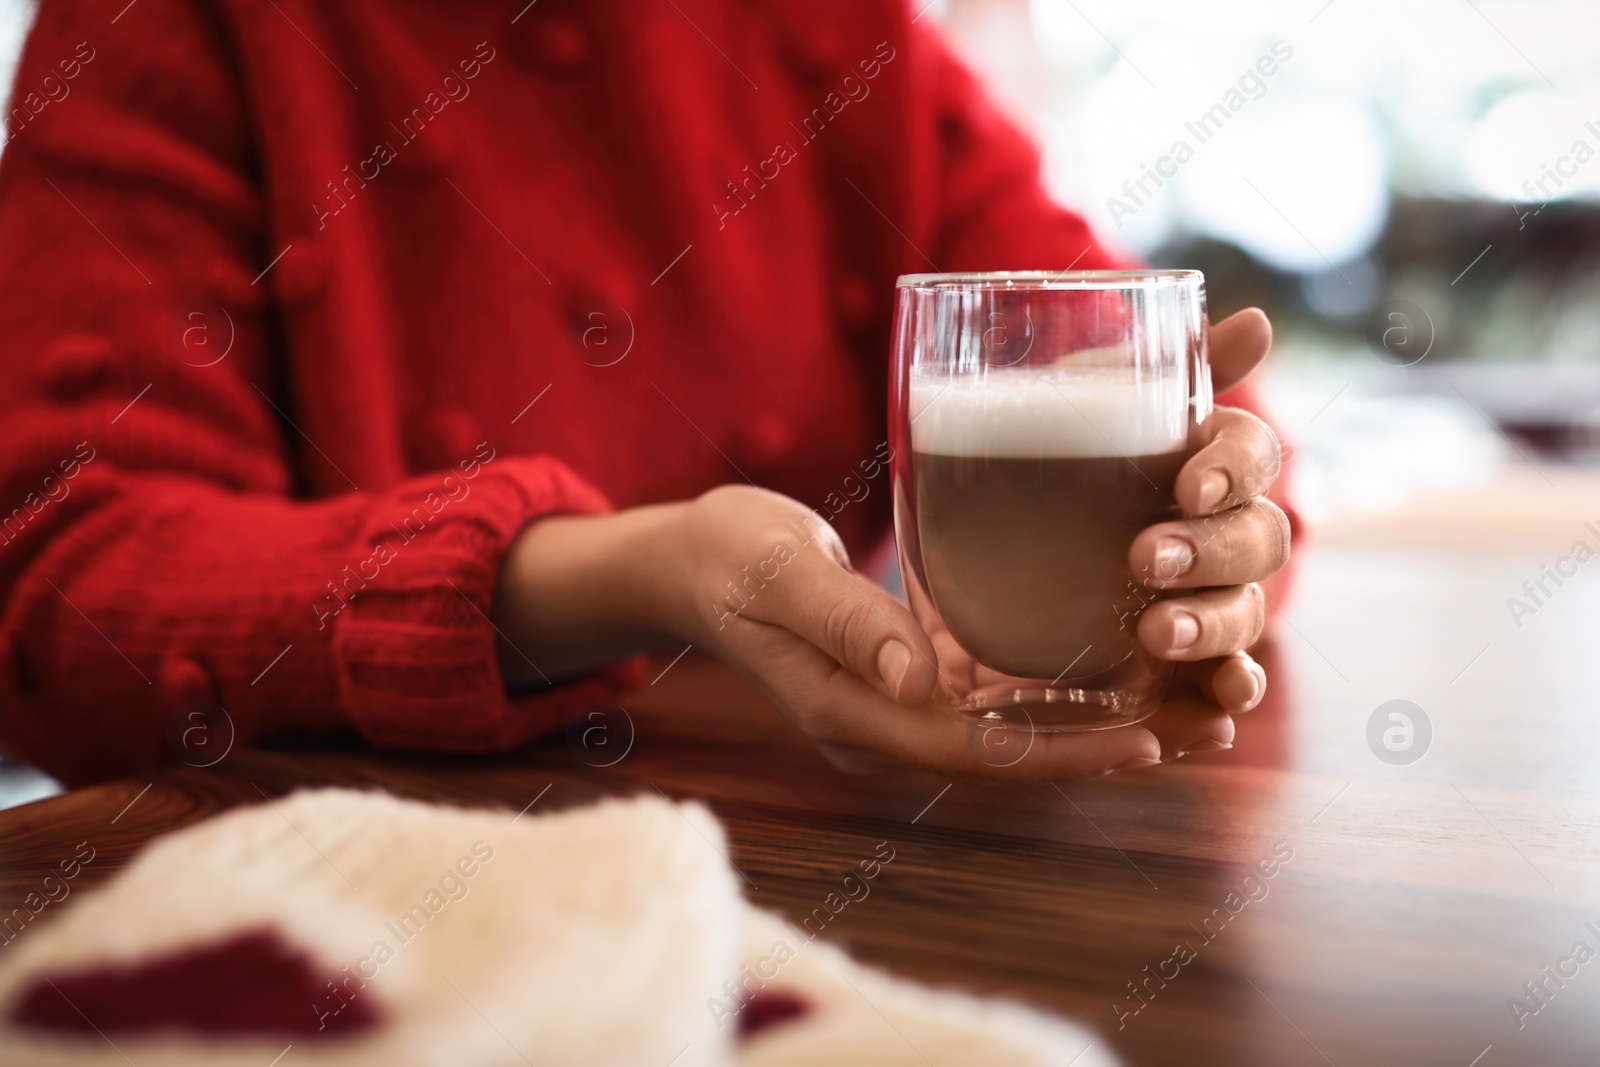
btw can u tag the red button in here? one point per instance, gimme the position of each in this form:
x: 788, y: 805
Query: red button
x: 854, y: 297
x: 74, y: 365
x: 600, y: 319
x: 454, y: 435
x: 230, y: 284
x: 767, y: 440
x: 556, y: 44
x: 183, y: 681
x: 816, y: 56
x: 301, y: 273
x: 826, y: 45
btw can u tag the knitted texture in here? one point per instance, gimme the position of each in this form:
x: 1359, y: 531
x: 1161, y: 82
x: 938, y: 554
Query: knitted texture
x: 274, y: 277
x: 412, y: 934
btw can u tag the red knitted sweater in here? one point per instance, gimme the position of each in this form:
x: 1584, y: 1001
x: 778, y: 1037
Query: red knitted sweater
x: 305, y: 309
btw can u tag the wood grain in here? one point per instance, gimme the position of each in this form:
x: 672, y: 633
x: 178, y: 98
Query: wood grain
x: 1417, y: 900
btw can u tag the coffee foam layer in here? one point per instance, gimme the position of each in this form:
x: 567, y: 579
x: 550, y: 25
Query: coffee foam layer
x: 1049, y: 413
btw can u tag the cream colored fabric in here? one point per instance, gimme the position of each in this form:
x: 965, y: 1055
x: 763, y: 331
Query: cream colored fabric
x: 613, y: 934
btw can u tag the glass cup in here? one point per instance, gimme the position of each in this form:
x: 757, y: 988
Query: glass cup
x: 1039, y: 422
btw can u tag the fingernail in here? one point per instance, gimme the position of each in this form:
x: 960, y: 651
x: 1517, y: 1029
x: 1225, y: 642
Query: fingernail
x: 1185, y: 630
x: 1135, y: 764
x: 1258, y: 683
x: 1213, y: 488
x: 894, y: 659
x: 1204, y: 746
x: 1174, y: 557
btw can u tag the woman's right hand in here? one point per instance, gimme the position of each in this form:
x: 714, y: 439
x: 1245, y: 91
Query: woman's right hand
x: 765, y: 583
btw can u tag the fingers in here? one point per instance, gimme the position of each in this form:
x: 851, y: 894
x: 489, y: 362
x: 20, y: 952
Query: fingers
x: 856, y: 727
x: 1237, y: 346
x: 1188, y: 725
x: 1216, y: 622
x: 862, y: 731
x: 1237, y: 462
x: 1246, y: 544
x: 1235, y: 683
x: 850, y: 619
x: 938, y: 739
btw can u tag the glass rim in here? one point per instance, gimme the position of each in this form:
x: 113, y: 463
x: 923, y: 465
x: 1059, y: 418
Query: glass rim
x: 1048, y: 279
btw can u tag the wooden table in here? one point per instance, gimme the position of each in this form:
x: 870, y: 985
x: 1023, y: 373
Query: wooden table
x: 1416, y: 903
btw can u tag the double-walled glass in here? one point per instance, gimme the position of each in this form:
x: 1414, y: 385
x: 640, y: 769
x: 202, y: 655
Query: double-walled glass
x: 1039, y: 422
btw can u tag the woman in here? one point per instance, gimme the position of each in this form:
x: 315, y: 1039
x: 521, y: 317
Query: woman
x: 374, y: 367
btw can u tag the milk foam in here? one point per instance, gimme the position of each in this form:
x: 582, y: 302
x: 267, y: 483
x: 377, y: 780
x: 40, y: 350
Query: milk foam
x: 1043, y: 412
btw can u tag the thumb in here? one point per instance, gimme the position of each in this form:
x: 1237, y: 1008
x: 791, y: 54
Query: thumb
x: 1238, y: 345
x: 852, y: 620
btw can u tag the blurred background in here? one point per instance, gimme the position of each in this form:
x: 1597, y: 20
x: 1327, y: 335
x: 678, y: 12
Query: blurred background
x: 1411, y: 190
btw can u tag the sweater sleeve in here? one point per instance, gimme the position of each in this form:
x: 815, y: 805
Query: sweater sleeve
x: 156, y: 562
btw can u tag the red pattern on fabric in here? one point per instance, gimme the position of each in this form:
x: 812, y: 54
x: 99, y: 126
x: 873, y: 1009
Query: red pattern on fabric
x: 251, y: 985
x: 769, y: 1008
